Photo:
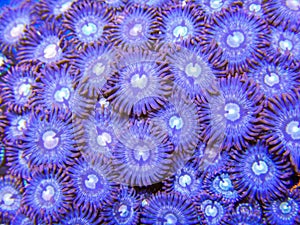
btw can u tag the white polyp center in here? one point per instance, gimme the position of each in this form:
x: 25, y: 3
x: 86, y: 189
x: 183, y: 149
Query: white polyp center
x: 123, y: 210
x: 176, y: 122
x: 141, y: 153
x: 7, y: 199
x: 193, y: 70
x: 2, y: 60
x: 98, y: 68
x: 136, y: 30
x: 17, y: 30
x: 254, y: 8
x: 138, y: 81
x: 65, y: 7
x: 259, y: 167
x: 49, y: 139
x: 232, y: 111
x: 293, y: 4
x: 286, y: 45
x: 104, y: 139
x: 180, y: 31
x: 62, y: 94
x: 216, y: 4
x: 293, y: 129
x: 50, y: 51
x: 91, y: 181
x: 185, y: 180
x: 24, y: 89
x: 145, y: 202
x: 211, y: 211
x: 89, y: 28
x: 285, y: 207
x: 48, y: 194
x: 225, y: 184
x: 171, y: 219
x: 271, y: 79
x: 21, y: 124
x: 103, y: 102
x: 235, y: 39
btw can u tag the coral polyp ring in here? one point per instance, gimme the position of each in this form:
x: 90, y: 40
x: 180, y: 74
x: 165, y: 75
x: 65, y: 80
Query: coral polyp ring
x: 284, y: 210
x: 275, y: 76
x: 46, y: 10
x: 180, y: 23
x: 283, y: 12
x: 86, y: 23
x: 179, y: 118
x: 96, y: 65
x: 141, y: 84
x: 173, y: 208
x: 42, y: 45
x: 93, y: 180
x: 10, y: 198
x: 12, y: 27
x: 48, y: 195
x: 258, y: 173
x: 241, y: 42
x: 142, y: 157
x: 134, y: 27
x: 17, y: 88
x: 193, y: 71
x: 283, y: 125
x: 50, y: 140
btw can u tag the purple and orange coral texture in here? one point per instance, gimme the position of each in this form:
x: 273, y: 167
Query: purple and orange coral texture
x: 165, y: 112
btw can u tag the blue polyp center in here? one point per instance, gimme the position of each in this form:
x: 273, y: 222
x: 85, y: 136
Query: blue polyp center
x: 176, y: 122
x: 193, y: 70
x: 216, y: 4
x: 286, y: 45
x: 17, y: 30
x: 170, y: 219
x: 185, y: 180
x: 293, y: 4
x: 98, y: 68
x: 255, y: 7
x: 24, y: 89
x: 271, y: 79
x: 8, y: 199
x: 136, y: 29
x: 48, y: 193
x: 123, y: 211
x: 139, y: 81
x: 235, y: 39
x: 91, y: 181
x: 104, y: 139
x: 50, y: 139
x: 180, y: 31
x: 260, y: 167
x: 232, y: 111
x: 62, y: 94
x: 285, y: 207
x: 211, y: 210
x: 293, y: 129
x: 89, y: 28
x: 225, y: 184
x: 141, y: 153
x: 51, y: 51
